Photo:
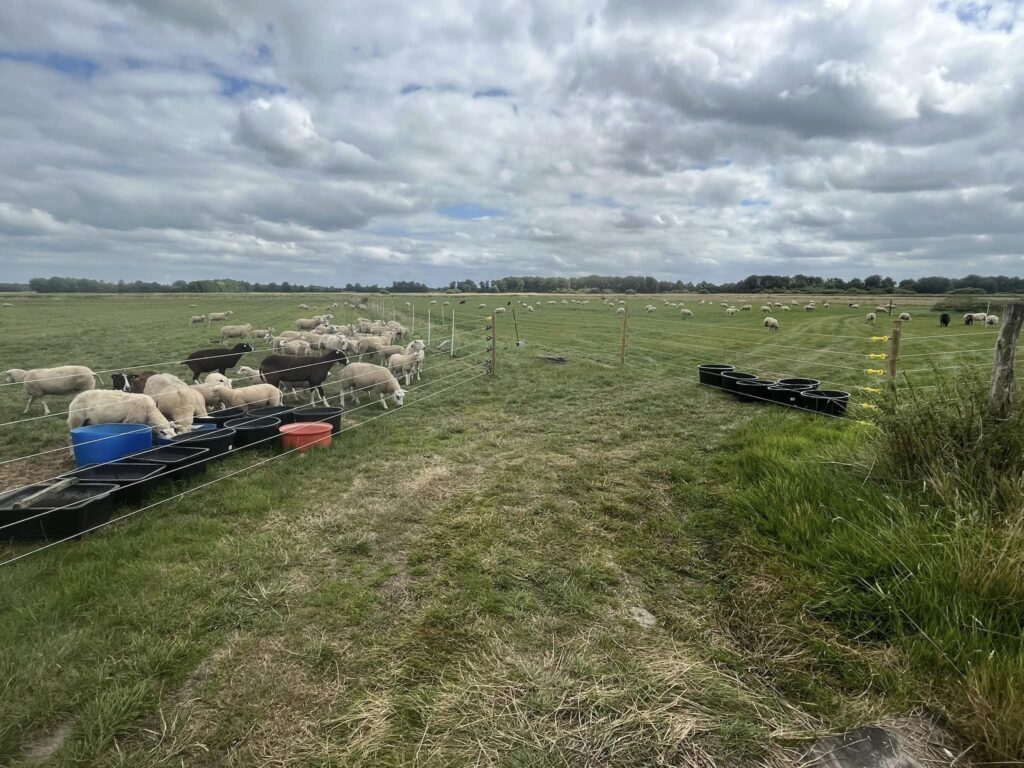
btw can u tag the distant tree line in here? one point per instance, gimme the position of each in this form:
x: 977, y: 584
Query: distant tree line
x: 972, y: 284
x: 14, y: 287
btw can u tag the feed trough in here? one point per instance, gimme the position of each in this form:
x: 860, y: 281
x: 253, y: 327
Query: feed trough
x: 55, y: 510
x: 305, y: 435
x: 100, y: 443
x: 132, y: 478
x: 729, y: 379
x: 255, y: 432
x: 179, y: 461
x: 830, y: 402
x: 711, y: 373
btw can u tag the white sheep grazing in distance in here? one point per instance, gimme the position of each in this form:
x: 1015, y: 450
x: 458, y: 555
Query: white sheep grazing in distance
x: 992, y: 320
x: 686, y: 313
x: 482, y: 306
x: 905, y: 316
x: 40, y: 382
x: 197, y: 319
x: 620, y: 311
x: 809, y: 308
x: 499, y: 311
x: 112, y: 406
x: 784, y: 308
x: 651, y: 308
x: 731, y: 311
x: 766, y: 308
x: 529, y: 308
x: 771, y: 324
x: 870, y: 318
x: 235, y: 332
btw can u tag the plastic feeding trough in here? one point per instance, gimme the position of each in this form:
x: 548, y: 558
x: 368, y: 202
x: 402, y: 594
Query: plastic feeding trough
x: 220, y: 418
x: 100, y: 443
x: 132, y: 478
x: 711, y: 373
x: 283, y: 412
x: 830, y: 402
x: 729, y: 379
x: 218, y: 441
x: 178, y: 461
x: 255, y: 432
x: 325, y: 415
x: 55, y: 510
x: 305, y: 435
x: 754, y: 390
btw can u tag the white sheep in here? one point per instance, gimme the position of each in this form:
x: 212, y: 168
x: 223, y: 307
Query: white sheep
x: 905, y: 316
x: 771, y: 324
x: 825, y: 305
x: 365, y: 376
x: 992, y: 320
x: 731, y: 311
x: 746, y: 308
x: 253, y: 396
x: 40, y: 382
x: 482, y: 306
x: 408, y: 362
x: 111, y: 406
x: 651, y: 308
x: 307, y: 324
x: 197, y: 319
x: 262, y: 333
x: 235, y: 332
x: 809, y: 307
x: 686, y: 313
x: 218, y: 316
x: 175, y: 399
x: 206, y: 388
x: 784, y: 308
x: 244, y: 376
x: 529, y: 308
x: 295, y: 347
x: 766, y: 308
x: 870, y: 318
x: 499, y: 311
x: 620, y: 311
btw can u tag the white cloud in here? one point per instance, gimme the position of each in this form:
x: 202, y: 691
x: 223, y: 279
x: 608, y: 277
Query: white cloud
x: 279, y: 139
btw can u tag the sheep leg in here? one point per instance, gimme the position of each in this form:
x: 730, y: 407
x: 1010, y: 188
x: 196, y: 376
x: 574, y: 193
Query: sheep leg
x: 383, y: 401
x: 30, y: 399
x: 46, y: 409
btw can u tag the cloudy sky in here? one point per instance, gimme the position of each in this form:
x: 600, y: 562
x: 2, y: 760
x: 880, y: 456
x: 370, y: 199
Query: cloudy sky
x: 335, y: 142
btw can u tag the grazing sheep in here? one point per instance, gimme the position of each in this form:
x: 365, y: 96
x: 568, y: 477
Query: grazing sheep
x: 731, y: 311
x: 235, y: 332
x: 766, y: 308
x: 870, y: 318
x: 905, y: 316
x: 620, y: 311
x: 992, y: 320
x: 197, y: 319
x: 686, y: 313
x: 482, y: 306
x: 307, y: 324
x: 784, y: 308
x: 41, y: 382
x: 262, y: 333
x: 499, y: 311
x: 809, y: 307
x: 529, y: 308
x: 771, y: 324
x: 218, y: 316
x: 216, y: 359
x: 944, y: 320
x: 206, y: 389
x: 746, y: 308
x: 367, y: 376
x: 253, y: 396
x: 306, y: 372
x: 651, y: 308
x: 131, y: 382
x: 176, y: 400
x: 106, y: 406
x: 825, y: 305
x: 882, y: 309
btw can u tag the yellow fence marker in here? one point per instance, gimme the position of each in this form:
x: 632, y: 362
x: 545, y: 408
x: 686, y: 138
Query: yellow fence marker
x: 875, y: 371
x: 878, y: 356
x: 879, y: 338
x: 872, y: 390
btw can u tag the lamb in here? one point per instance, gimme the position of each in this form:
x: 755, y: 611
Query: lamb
x: 992, y: 320
x: 245, y: 376
x: 408, y: 362
x: 771, y: 324
x: 131, y: 382
x: 361, y: 376
x: 389, y: 350
x: 254, y: 396
x: 197, y: 319
x: 105, y: 406
x: 216, y: 359
x: 176, y: 400
x: 870, y: 318
x: 206, y: 389
x: 944, y: 320
x: 905, y: 316
x: 40, y: 382
x: 308, y: 372
x: 371, y: 344
x: 235, y: 332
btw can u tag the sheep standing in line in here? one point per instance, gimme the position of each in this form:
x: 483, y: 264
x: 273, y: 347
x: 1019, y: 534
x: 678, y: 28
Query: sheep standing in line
x: 110, y: 406
x: 905, y: 316
x: 367, y: 376
x: 253, y: 396
x: 771, y: 324
x: 176, y: 400
x: 38, y: 383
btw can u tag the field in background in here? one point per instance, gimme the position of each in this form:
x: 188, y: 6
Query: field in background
x: 458, y: 582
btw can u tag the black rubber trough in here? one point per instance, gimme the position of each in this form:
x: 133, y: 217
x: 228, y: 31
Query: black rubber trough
x: 754, y: 390
x: 787, y: 395
x: 729, y: 379
x: 178, y: 461
x: 830, y: 402
x: 220, y: 418
x: 133, y: 478
x: 286, y: 413
x: 324, y: 415
x: 711, y: 373
x: 800, y: 383
x: 218, y: 441
x: 60, y: 513
x: 256, y: 432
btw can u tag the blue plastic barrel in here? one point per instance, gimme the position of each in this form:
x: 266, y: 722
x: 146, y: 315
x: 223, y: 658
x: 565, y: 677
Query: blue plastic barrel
x: 100, y: 443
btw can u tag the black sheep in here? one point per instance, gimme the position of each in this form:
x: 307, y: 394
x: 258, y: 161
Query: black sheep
x: 944, y: 319
x: 216, y: 359
x: 968, y: 319
x: 301, y: 371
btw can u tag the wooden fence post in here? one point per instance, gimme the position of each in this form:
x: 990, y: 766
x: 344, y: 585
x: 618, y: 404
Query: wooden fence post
x: 894, y: 350
x: 494, y: 342
x: 1001, y: 395
x: 622, y: 343
x: 428, y: 327
x: 452, y: 344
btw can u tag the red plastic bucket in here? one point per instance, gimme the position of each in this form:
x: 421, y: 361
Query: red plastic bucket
x: 305, y: 435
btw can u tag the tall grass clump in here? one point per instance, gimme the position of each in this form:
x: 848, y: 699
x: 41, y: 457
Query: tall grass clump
x: 945, y: 443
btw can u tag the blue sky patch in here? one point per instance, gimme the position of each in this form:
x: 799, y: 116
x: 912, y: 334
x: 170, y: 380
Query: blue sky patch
x: 468, y: 211
x: 491, y: 93
x: 749, y: 202
x: 77, y: 67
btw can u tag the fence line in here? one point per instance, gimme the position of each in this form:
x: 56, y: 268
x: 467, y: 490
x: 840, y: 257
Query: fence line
x: 217, y: 480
